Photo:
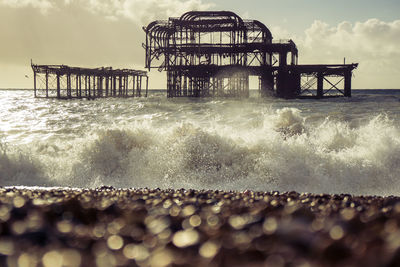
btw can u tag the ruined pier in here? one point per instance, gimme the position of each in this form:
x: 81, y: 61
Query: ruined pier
x: 213, y: 53
x: 65, y: 82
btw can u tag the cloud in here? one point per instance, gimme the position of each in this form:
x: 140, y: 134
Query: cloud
x: 373, y: 37
x: 145, y: 11
x: 140, y: 11
x: 373, y: 44
x: 43, y: 5
x: 89, y: 33
x: 280, y: 33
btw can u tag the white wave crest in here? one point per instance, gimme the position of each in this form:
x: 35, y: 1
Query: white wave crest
x: 213, y: 145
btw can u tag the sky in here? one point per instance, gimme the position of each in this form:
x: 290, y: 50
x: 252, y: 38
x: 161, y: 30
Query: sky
x: 95, y: 33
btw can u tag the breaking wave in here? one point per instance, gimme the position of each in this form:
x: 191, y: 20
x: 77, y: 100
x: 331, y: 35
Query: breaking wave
x: 280, y: 149
x: 17, y: 168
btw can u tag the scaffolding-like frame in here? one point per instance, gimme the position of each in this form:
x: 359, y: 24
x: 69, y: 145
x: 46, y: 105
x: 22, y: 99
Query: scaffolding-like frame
x: 213, y: 53
x: 64, y: 82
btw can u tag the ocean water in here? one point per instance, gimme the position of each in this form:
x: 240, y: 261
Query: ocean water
x: 341, y: 145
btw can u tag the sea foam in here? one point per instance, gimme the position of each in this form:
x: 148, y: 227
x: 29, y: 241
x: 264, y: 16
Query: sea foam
x: 330, y: 146
x: 283, y: 153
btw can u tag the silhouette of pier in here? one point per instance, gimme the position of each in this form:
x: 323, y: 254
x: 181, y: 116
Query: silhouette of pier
x: 213, y: 53
x: 64, y: 82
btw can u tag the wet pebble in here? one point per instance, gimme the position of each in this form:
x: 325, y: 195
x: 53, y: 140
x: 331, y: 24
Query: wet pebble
x: 153, y: 227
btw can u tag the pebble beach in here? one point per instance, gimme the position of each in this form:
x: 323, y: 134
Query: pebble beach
x: 143, y: 227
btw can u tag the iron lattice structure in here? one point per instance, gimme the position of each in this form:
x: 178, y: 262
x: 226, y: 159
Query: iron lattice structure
x: 64, y: 82
x: 213, y: 53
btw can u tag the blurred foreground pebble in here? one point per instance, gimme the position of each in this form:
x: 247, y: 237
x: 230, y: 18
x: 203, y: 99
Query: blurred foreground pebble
x: 128, y: 227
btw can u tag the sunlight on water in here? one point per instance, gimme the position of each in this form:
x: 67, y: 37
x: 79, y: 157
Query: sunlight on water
x: 331, y: 146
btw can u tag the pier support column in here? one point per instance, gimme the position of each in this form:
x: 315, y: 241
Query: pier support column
x: 282, y: 59
x: 76, y: 86
x: 134, y: 87
x: 80, y: 86
x: 138, y: 86
x: 120, y: 86
x: 47, y: 84
x: 320, y: 85
x: 347, y: 84
x: 288, y: 84
x: 100, y: 86
x: 69, y: 86
x: 34, y: 83
x: 89, y: 92
x: 107, y: 81
x: 86, y: 85
x: 94, y: 87
x: 266, y: 84
x: 58, y: 86
x: 126, y: 86
x: 114, y: 85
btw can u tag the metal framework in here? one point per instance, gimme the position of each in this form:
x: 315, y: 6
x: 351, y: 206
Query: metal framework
x: 213, y: 53
x: 64, y: 82
x: 325, y: 80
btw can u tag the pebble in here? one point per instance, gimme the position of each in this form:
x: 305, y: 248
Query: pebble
x: 153, y: 227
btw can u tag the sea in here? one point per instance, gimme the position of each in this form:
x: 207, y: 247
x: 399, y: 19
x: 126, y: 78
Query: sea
x: 335, y: 145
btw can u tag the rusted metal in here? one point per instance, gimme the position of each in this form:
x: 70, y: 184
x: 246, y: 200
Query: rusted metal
x: 213, y: 53
x: 64, y: 82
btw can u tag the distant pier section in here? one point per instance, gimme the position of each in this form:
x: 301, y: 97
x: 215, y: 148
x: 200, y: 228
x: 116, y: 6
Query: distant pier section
x: 65, y: 82
x: 213, y: 53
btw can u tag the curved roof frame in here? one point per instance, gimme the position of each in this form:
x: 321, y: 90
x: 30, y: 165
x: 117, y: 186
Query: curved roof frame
x: 162, y: 29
